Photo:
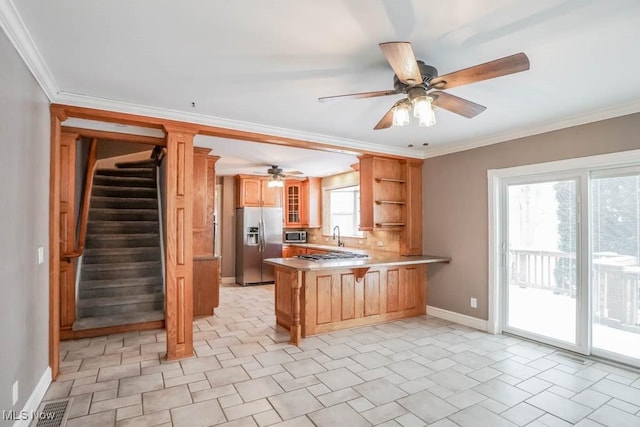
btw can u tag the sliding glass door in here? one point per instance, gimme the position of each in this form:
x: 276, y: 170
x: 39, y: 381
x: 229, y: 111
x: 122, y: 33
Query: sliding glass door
x: 569, y: 256
x: 615, y: 254
x: 542, y: 273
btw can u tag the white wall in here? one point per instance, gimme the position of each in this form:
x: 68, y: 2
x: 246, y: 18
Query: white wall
x: 24, y: 225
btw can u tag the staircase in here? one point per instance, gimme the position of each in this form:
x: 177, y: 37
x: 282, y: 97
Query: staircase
x: 121, y: 279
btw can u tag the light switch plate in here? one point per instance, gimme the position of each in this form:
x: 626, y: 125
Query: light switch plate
x: 40, y: 254
x: 474, y: 303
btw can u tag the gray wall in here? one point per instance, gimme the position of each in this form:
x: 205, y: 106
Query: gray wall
x: 24, y: 225
x: 456, y: 202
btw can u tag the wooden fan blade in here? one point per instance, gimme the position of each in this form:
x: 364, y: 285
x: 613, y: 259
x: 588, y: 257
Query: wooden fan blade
x: 456, y: 104
x: 489, y: 70
x: 403, y: 61
x: 386, y: 121
x: 359, y: 95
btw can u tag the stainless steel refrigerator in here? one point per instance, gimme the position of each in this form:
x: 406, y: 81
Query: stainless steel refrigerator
x: 258, y: 236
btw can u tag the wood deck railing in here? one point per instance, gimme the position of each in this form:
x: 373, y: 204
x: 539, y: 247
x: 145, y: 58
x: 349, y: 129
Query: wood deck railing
x: 615, y: 279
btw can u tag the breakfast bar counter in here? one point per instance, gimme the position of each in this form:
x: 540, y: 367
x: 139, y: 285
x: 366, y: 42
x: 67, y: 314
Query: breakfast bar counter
x: 318, y: 296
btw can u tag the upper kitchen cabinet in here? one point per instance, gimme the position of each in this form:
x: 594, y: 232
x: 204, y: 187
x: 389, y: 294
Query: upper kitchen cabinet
x: 302, y: 203
x: 391, y: 199
x: 253, y: 191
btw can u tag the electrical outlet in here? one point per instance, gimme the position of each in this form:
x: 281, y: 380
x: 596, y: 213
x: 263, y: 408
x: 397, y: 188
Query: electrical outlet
x: 15, y: 393
x: 361, y: 242
x: 474, y: 303
x: 380, y: 243
x: 40, y: 254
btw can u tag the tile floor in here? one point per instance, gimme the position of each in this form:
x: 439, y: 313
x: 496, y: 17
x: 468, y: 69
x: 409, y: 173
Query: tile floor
x: 413, y: 372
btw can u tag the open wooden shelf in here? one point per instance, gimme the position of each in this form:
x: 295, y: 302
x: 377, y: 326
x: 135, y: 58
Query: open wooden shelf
x: 390, y: 202
x: 390, y: 224
x: 399, y: 181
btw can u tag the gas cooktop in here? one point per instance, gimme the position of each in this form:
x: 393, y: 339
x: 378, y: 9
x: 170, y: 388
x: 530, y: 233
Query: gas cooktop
x: 332, y: 256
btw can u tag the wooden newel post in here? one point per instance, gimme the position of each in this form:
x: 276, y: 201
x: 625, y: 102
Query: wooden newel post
x: 179, y: 242
x: 296, y: 328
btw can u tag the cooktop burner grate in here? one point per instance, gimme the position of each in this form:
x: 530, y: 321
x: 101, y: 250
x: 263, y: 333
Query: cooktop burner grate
x: 332, y: 256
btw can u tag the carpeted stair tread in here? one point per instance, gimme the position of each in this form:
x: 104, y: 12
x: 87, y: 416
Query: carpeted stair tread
x: 139, y: 172
x: 92, y: 307
x: 111, y: 255
x: 129, y: 202
x: 111, y: 283
x: 125, y: 236
x: 115, y: 320
x: 110, y: 214
x: 121, y: 227
x: 125, y: 192
x: 141, y: 265
x: 125, y: 181
x: 147, y: 163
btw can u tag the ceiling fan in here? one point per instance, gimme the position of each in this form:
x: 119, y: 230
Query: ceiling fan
x: 424, y: 87
x: 277, y: 176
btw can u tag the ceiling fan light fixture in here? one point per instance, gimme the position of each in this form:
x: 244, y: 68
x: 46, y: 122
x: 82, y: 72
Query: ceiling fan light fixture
x: 401, y: 115
x: 423, y: 111
x: 275, y: 182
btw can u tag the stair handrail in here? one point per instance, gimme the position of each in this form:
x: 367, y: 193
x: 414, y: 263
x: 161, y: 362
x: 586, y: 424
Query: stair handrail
x: 86, y: 196
x: 157, y: 154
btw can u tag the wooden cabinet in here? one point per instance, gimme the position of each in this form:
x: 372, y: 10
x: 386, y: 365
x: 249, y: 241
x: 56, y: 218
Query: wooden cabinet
x: 294, y: 201
x: 302, y: 203
x: 292, y: 250
x: 321, y: 301
x: 287, y: 251
x: 391, y: 199
x: 313, y: 211
x: 206, y: 285
x: 204, y: 188
x: 253, y: 191
x: 206, y: 267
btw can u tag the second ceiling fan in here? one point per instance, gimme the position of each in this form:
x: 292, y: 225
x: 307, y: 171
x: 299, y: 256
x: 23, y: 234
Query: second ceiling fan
x: 424, y: 87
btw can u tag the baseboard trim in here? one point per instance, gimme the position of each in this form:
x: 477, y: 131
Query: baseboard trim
x: 35, y: 398
x: 227, y: 280
x: 463, y: 319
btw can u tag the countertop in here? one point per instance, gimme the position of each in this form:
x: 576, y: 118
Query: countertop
x: 376, y: 259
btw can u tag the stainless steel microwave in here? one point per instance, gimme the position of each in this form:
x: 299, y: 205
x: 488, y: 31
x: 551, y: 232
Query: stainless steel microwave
x: 298, y: 236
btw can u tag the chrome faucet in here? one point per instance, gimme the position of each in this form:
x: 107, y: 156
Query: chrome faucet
x: 334, y: 235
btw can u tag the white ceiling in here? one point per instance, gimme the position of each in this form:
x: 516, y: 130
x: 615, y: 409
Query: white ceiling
x: 261, y: 65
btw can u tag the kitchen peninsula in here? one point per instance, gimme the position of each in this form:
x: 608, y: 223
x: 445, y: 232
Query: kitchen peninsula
x: 317, y: 296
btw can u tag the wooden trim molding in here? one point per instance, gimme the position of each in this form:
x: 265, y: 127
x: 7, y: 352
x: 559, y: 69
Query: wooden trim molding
x: 54, y: 242
x: 179, y: 247
x: 115, y: 136
x: 216, y: 131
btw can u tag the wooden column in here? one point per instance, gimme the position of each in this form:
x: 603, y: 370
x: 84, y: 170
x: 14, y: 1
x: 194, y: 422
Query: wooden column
x: 57, y: 117
x: 179, y: 244
x: 411, y: 235
x: 296, y: 306
x: 67, y: 229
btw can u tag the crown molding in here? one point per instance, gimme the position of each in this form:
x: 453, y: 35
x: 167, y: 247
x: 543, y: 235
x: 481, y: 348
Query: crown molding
x: 17, y: 32
x: 79, y: 100
x: 577, y: 120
